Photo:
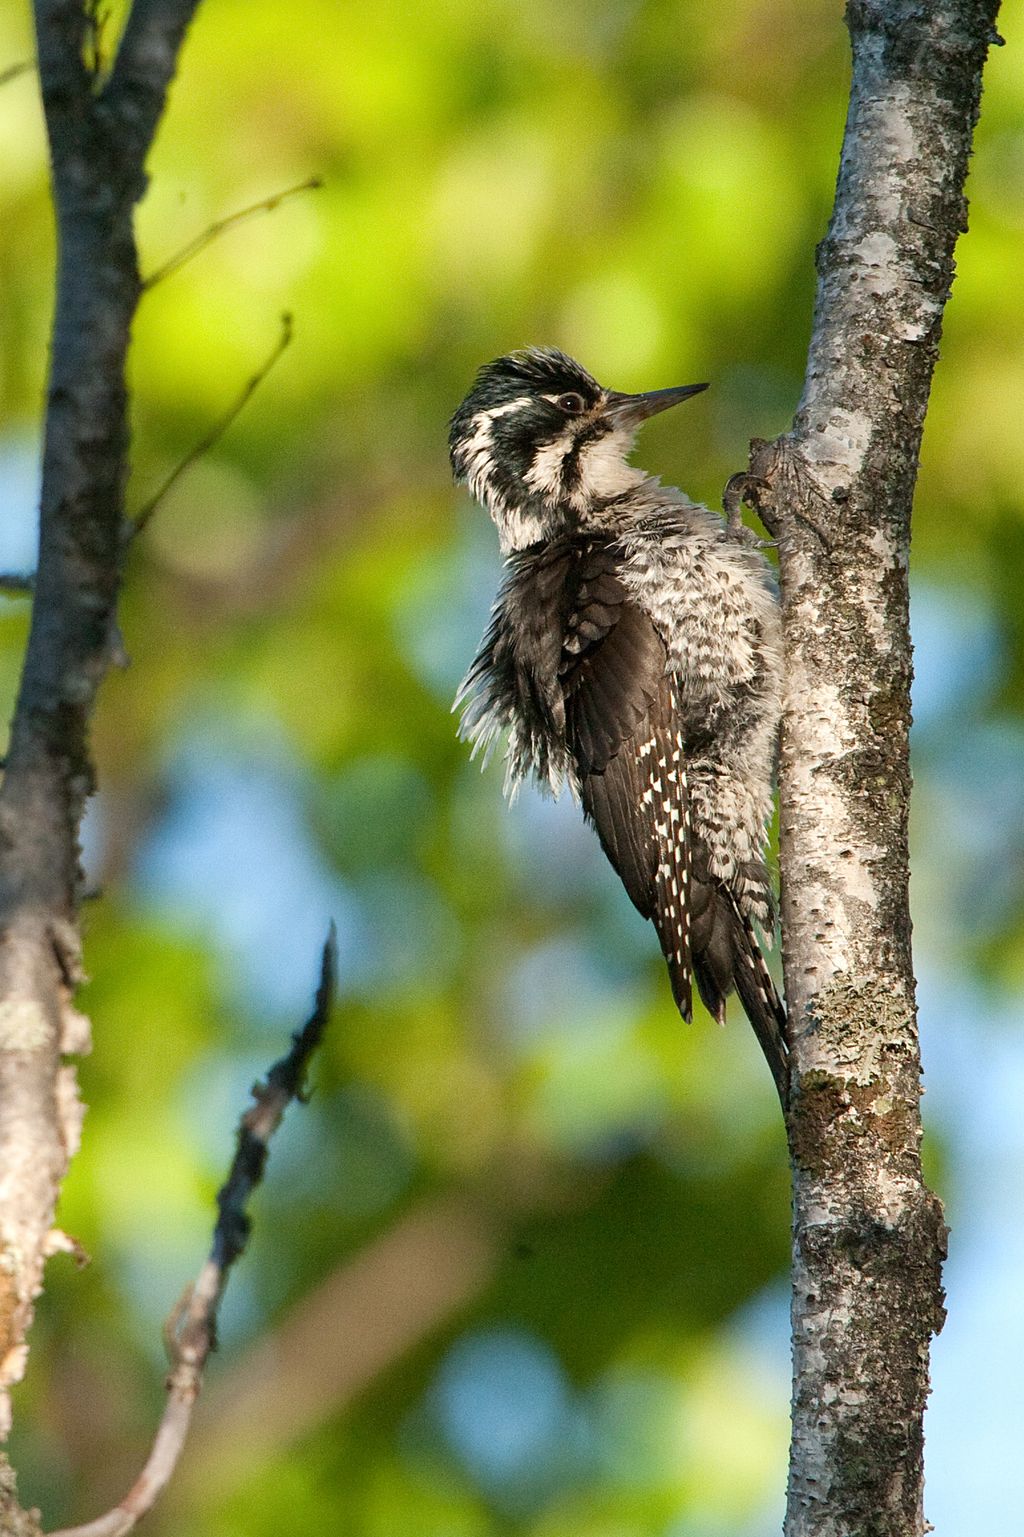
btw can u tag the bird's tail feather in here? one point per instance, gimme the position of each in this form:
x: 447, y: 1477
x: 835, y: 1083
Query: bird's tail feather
x: 725, y: 954
x: 760, y: 999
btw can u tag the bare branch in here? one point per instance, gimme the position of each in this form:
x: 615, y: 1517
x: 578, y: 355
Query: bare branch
x: 416, y: 1277
x: 191, y: 1331
x: 61, y: 35
x: 98, y: 146
x: 219, y: 226
x: 14, y: 70
x: 136, y: 89
x: 216, y: 432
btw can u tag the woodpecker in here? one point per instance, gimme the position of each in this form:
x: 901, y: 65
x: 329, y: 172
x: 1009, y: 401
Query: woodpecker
x: 633, y: 652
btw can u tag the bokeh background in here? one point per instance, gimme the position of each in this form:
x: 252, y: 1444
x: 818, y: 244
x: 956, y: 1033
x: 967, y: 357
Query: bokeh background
x: 520, y: 1265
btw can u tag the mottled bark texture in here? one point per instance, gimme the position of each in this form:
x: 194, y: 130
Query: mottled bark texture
x: 868, y: 1236
x: 99, y: 134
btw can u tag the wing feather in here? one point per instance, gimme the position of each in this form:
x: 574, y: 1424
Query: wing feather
x: 630, y: 732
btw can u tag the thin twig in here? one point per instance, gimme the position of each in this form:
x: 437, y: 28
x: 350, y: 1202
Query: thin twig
x: 14, y: 70
x: 191, y: 1330
x: 216, y: 432
x: 200, y: 242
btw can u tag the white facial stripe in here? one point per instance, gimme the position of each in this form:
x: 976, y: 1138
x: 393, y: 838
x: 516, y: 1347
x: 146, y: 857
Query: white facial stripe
x: 481, y: 441
x: 477, y: 449
x: 603, y: 471
x: 603, y: 468
x: 503, y: 410
x: 603, y: 474
x: 545, y: 473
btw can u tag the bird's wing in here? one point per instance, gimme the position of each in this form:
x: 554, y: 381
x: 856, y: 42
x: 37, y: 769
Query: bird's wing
x: 513, y: 682
x: 630, y: 731
x: 612, y: 660
x: 612, y: 671
x: 486, y: 697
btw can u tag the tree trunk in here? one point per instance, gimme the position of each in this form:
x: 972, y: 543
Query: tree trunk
x: 868, y: 1236
x: 99, y: 134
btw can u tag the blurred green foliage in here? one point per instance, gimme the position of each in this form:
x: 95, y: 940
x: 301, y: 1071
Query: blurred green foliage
x: 578, y: 1345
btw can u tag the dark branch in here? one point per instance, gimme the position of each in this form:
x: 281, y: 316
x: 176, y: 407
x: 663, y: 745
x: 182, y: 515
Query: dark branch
x: 98, y: 142
x: 218, y: 228
x: 216, y: 432
x: 191, y: 1330
x: 147, y: 55
x: 65, y: 83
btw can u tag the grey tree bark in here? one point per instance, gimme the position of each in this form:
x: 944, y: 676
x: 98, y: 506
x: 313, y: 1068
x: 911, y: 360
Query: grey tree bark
x: 868, y: 1236
x: 100, y: 130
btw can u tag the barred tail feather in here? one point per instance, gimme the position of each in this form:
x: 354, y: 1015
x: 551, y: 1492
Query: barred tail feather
x: 764, y: 1008
x: 726, y: 956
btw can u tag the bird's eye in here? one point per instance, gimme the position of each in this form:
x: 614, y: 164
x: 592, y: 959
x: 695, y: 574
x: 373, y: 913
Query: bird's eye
x: 572, y: 403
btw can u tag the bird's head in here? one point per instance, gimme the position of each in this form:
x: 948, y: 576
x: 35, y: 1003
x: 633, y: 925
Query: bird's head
x: 543, y: 446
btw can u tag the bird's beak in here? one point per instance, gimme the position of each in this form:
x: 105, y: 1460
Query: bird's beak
x: 631, y: 410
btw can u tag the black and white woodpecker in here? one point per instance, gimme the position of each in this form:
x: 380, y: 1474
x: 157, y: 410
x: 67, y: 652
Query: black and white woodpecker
x: 634, y: 651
